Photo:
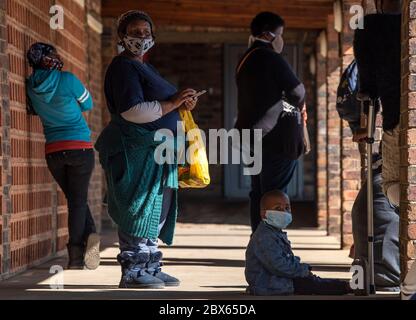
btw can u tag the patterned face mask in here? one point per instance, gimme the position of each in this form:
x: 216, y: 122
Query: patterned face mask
x: 44, y: 56
x: 138, y: 46
x: 51, y: 63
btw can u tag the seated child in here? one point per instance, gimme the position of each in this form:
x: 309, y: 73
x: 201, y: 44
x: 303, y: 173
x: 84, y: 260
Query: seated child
x: 271, y: 266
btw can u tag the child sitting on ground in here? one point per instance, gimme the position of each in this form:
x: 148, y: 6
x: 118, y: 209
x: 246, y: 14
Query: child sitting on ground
x: 271, y: 266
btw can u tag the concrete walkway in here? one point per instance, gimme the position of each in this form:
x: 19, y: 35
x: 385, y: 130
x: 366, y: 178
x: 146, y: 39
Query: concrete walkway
x: 209, y: 260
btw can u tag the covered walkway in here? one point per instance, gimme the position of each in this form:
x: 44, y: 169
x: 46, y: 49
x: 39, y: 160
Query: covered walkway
x: 209, y: 259
x: 199, y: 43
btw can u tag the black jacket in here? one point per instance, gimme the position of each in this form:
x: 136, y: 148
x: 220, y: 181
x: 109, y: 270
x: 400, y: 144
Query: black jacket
x: 378, y: 53
x: 262, y: 81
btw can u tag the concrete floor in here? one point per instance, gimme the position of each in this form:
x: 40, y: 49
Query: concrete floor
x: 208, y: 259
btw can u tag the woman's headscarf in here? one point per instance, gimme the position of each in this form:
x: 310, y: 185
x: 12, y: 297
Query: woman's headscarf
x: 126, y: 18
x: 43, y: 56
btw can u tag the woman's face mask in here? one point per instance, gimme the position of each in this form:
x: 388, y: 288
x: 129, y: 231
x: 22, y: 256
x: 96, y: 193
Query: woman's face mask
x: 277, y: 42
x: 138, y: 46
x: 52, y: 62
x: 278, y: 219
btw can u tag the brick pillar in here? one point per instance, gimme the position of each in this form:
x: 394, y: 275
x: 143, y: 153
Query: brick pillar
x: 94, y: 65
x: 309, y: 80
x: 350, y: 155
x: 334, y: 132
x: 109, y: 41
x: 5, y: 174
x: 408, y: 138
x: 322, y: 174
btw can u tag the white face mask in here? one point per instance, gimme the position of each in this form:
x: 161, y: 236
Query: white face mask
x: 278, y: 219
x: 277, y: 43
x: 138, y: 46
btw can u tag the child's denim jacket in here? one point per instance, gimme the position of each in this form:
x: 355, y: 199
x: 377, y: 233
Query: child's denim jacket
x: 271, y: 264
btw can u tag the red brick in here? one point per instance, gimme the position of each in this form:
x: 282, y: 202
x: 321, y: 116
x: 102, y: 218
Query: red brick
x: 411, y: 231
x: 24, y: 164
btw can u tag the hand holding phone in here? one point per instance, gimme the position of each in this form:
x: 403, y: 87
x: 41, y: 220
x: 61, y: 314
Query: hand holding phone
x: 191, y: 102
x: 196, y: 95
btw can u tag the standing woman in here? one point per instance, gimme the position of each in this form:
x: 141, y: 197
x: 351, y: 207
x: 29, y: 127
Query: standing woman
x: 142, y: 192
x: 59, y: 98
x: 264, y: 79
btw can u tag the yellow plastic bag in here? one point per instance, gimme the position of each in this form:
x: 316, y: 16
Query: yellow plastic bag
x: 196, y: 173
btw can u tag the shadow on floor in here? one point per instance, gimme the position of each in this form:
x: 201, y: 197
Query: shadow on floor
x: 190, y: 262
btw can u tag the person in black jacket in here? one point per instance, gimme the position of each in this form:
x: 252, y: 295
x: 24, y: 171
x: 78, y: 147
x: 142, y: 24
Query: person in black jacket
x: 264, y: 78
x: 378, y: 54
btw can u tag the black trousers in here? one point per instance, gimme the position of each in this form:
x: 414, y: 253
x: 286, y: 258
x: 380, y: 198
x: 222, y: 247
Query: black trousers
x: 314, y: 285
x: 72, y: 170
x: 277, y: 171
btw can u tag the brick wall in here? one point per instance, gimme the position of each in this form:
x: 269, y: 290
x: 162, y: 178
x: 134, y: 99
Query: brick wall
x: 34, y: 209
x: 408, y: 138
x: 4, y: 105
x: 321, y: 139
x: 28, y: 22
x: 95, y: 84
x: 109, y: 41
x: 334, y: 132
x: 309, y: 161
x: 350, y: 154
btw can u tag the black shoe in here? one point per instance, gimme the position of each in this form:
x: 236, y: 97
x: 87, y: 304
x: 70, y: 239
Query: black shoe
x: 134, y: 274
x: 76, y: 257
x: 154, y: 268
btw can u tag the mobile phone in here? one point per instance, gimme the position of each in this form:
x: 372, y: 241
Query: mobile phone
x: 200, y: 93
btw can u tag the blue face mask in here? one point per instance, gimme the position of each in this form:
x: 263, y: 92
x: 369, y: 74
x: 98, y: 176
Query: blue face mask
x: 278, y: 219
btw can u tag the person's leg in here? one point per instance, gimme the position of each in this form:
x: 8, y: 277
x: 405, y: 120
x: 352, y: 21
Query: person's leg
x: 57, y: 166
x: 79, y: 167
x: 359, y: 224
x: 89, y: 223
x: 133, y: 257
x: 314, y: 285
x: 255, y: 197
x: 166, y: 206
x: 154, y: 266
x: 391, y: 165
x: 277, y: 172
x: 80, y: 164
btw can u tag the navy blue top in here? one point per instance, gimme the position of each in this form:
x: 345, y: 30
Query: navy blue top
x: 129, y: 82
